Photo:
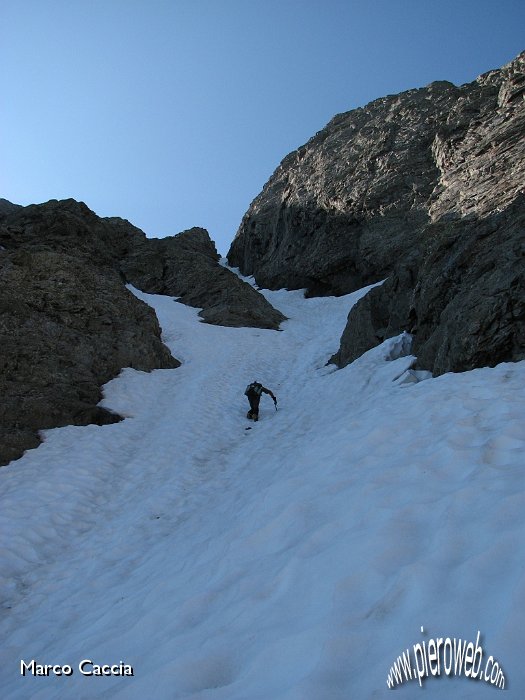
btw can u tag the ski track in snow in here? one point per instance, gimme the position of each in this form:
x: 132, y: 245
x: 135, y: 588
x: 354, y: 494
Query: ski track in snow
x: 293, y: 561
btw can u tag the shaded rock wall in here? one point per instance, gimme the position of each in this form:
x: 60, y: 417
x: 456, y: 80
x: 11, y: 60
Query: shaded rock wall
x: 65, y: 329
x: 424, y: 189
x: 464, y: 302
x: 186, y: 266
x: 339, y: 210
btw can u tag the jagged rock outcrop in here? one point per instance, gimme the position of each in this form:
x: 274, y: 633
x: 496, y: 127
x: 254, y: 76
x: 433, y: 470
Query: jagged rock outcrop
x: 424, y: 189
x: 66, y: 328
x: 68, y: 324
x: 186, y: 266
x: 7, y: 207
x: 464, y: 302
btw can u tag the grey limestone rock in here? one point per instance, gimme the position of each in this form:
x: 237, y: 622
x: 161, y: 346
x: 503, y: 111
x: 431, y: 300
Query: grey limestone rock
x: 187, y: 266
x: 66, y: 328
x: 425, y: 190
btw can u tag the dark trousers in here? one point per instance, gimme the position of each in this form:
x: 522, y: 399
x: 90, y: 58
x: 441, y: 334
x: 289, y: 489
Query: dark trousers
x: 254, y: 406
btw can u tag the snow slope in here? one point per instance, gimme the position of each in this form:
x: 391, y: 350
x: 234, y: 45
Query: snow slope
x: 293, y: 561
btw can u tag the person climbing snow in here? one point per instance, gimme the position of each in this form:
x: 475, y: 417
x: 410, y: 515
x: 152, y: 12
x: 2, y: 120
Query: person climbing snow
x: 253, y: 392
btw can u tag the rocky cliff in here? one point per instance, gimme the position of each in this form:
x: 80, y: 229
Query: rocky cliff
x: 66, y: 328
x: 424, y: 190
x: 186, y: 266
x: 68, y: 323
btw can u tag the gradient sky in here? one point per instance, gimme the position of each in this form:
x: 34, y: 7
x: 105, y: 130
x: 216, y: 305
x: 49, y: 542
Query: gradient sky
x: 174, y: 113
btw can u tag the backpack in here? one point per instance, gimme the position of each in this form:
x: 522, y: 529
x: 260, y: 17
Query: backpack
x: 253, y: 388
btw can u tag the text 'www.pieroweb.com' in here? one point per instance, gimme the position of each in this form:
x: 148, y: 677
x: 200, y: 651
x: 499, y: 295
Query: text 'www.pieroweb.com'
x: 445, y: 656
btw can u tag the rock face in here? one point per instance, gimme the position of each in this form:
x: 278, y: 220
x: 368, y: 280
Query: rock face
x: 187, y: 266
x: 424, y: 189
x: 68, y: 324
x: 66, y: 329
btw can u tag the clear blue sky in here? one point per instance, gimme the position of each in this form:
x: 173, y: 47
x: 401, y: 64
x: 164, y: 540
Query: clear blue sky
x: 174, y: 113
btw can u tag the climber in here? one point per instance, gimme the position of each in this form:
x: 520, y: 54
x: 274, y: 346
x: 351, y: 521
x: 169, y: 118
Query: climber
x: 253, y: 392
